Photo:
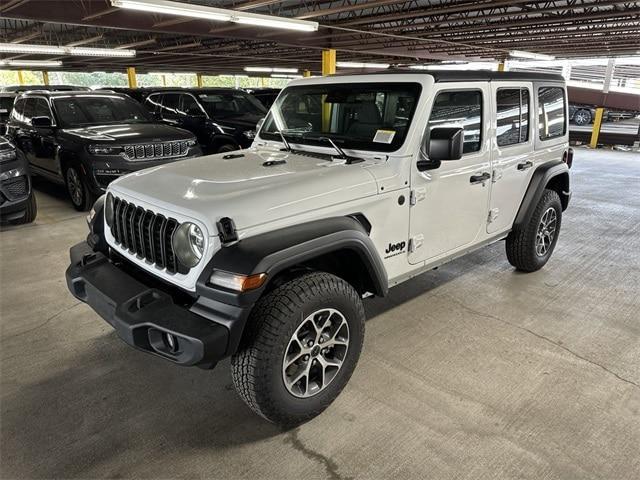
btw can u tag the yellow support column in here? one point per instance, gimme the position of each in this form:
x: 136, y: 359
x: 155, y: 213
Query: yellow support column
x: 501, y: 67
x: 199, y: 79
x: 45, y: 78
x: 328, y: 68
x: 263, y: 82
x: 306, y: 73
x: 131, y: 76
x: 597, y: 123
x: 164, y: 80
x: 328, y: 62
x: 20, y: 77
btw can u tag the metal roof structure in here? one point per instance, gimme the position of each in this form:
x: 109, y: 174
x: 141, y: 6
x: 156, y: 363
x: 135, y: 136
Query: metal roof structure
x: 395, y: 32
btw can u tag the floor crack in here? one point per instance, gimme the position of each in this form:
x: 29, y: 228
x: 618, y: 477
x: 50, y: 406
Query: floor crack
x: 544, y: 338
x: 329, y: 465
x: 44, y: 322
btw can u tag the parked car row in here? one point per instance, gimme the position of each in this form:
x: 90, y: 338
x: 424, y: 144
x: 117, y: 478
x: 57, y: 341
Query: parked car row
x: 586, y: 114
x: 85, y: 139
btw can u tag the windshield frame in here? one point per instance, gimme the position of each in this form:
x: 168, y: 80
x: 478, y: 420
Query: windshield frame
x: 125, y: 98
x: 413, y: 86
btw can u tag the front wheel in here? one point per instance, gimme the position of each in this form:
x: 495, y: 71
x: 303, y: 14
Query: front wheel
x: 582, y: 117
x: 79, y: 193
x: 31, y: 211
x: 530, y: 246
x: 300, y: 347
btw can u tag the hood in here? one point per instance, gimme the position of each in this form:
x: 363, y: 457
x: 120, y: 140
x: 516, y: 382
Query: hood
x: 245, y: 189
x: 129, y: 133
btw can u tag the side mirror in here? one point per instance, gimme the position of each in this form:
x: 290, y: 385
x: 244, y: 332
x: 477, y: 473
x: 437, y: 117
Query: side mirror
x: 41, y: 122
x: 443, y: 144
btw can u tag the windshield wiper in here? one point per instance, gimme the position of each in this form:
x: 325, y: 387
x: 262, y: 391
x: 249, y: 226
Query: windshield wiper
x: 341, y: 154
x: 287, y: 147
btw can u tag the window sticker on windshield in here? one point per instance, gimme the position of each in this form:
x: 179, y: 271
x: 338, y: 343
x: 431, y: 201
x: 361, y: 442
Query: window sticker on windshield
x: 384, y: 136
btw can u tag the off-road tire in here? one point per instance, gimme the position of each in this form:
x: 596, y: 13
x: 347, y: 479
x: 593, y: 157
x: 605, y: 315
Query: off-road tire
x: 30, y: 212
x: 86, y: 198
x: 256, y: 368
x: 521, y: 242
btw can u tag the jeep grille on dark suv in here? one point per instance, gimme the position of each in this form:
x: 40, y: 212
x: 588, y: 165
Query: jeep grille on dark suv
x: 151, y: 151
x: 145, y: 234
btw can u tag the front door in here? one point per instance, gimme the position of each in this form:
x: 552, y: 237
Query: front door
x: 450, y: 203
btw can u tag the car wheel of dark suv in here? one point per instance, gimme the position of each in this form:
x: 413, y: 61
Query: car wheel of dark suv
x: 78, y: 190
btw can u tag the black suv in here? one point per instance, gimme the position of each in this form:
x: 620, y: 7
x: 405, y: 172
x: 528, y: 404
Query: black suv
x: 222, y: 119
x: 266, y: 95
x: 17, y: 201
x: 87, y: 139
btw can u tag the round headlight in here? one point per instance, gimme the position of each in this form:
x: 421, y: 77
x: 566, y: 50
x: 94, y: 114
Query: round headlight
x: 108, y: 209
x: 188, y: 244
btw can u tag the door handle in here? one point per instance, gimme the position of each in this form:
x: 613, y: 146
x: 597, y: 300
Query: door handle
x: 525, y: 165
x: 483, y: 177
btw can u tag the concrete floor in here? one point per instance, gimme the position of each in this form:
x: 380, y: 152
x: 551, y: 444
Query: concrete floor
x: 471, y: 371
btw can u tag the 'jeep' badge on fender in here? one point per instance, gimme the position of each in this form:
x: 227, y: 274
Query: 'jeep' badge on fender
x: 395, y: 249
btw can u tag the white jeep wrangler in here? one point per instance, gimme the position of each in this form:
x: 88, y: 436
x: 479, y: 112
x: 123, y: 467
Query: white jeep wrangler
x: 354, y: 184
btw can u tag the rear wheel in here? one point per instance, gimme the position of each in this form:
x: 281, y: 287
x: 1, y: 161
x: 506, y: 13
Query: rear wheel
x: 79, y: 193
x: 227, y: 147
x: 530, y: 246
x: 582, y: 117
x: 302, y: 343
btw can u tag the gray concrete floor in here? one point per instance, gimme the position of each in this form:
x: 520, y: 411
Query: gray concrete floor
x: 471, y: 371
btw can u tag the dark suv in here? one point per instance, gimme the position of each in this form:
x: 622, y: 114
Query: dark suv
x: 87, y: 139
x: 222, y: 119
x: 17, y: 201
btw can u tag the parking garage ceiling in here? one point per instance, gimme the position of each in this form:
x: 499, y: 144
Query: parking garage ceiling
x: 396, y: 32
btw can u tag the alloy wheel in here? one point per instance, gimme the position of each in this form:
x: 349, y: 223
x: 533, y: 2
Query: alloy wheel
x: 315, y: 353
x: 546, y: 231
x: 74, y: 186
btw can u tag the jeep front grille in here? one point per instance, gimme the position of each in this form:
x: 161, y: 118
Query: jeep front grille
x: 152, y: 151
x: 145, y: 234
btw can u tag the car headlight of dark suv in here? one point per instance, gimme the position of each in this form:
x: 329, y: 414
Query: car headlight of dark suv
x: 192, y: 142
x: 104, y: 150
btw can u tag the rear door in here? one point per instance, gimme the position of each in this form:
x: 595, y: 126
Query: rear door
x: 450, y: 203
x: 512, y: 151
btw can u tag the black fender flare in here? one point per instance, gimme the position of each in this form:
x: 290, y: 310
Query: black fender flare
x: 541, y: 177
x: 275, y: 251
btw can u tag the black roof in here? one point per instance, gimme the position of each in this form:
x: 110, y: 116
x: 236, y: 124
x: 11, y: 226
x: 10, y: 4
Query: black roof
x: 191, y: 90
x: 471, y: 75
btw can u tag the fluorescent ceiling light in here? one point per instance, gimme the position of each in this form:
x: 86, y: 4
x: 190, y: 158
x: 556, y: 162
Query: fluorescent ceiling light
x: 283, y: 75
x: 457, y: 66
x: 216, y: 14
x: 361, y: 65
x: 31, y: 63
x: 535, y: 56
x: 271, y: 70
x: 57, y: 50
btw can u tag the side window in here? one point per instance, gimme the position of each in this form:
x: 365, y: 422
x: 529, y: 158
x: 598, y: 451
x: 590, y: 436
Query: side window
x: 189, y: 106
x: 552, y: 121
x: 460, y: 109
x: 40, y: 108
x: 512, y: 115
x: 18, y: 110
x: 170, y: 103
x: 153, y: 103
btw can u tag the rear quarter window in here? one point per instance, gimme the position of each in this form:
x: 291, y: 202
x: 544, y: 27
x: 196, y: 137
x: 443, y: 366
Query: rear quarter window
x: 552, y: 115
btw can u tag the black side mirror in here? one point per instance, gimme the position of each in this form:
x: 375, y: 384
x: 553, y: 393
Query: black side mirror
x: 443, y: 144
x: 41, y: 122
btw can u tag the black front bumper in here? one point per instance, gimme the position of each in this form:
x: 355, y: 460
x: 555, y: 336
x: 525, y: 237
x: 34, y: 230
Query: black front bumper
x: 145, y: 317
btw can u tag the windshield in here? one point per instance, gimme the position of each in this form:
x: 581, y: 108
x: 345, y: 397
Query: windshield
x: 82, y: 110
x: 231, y: 104
x: 355, y: 116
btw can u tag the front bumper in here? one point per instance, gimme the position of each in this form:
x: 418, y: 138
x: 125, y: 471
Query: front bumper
x: 145, y: 317
x: 15, y: 190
